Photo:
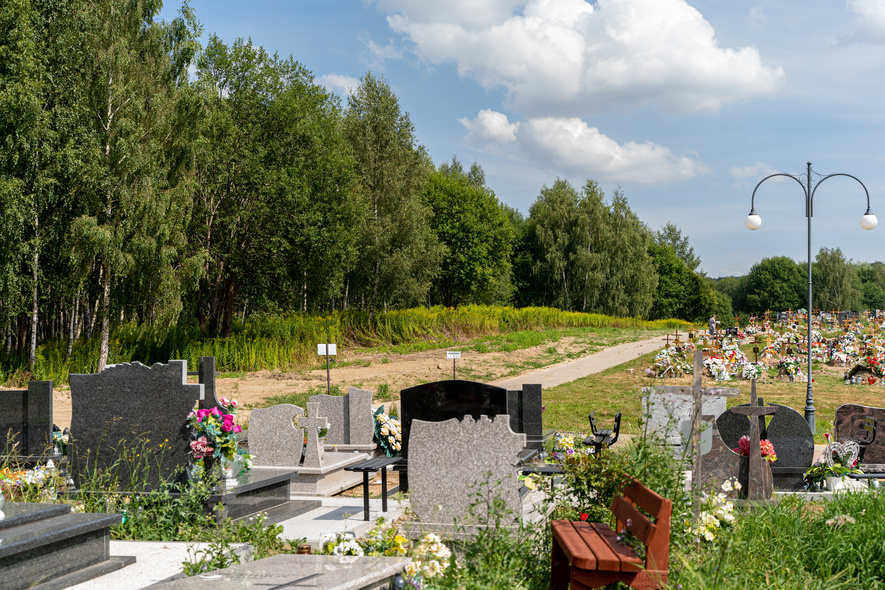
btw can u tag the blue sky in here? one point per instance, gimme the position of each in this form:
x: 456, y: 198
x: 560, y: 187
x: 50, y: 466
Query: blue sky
x: 683, y: 105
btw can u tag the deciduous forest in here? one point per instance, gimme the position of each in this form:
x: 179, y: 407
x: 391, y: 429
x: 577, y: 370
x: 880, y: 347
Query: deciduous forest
x: 147, y: 179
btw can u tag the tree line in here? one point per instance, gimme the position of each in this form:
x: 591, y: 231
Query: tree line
x: 147, y: 178
x: 780, y: 283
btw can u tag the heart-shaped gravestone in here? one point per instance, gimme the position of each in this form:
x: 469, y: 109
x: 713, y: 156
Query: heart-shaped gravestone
x: 841, y: 453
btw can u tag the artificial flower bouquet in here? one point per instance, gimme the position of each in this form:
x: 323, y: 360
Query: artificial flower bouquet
x: 765, y: 447
x: 388, y: 433
x: 215, y: 434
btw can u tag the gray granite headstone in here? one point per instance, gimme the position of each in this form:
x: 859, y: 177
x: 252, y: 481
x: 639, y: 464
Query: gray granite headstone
x: 274, y: 440
x: 313, y: 455
x: 350, y: 416
x: 667, y: 412
x: 449, y: 461
x: 320, y: 572
x: 26, y: 419
x: 132, y: 407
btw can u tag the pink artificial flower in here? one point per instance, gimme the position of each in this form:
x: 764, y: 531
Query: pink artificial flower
x: 224, y: 401
x: 237, y: 428
x: 228, y: 423
x: 200, y: 448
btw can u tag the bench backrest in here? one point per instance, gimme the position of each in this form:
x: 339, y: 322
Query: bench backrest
x: 654, y: 534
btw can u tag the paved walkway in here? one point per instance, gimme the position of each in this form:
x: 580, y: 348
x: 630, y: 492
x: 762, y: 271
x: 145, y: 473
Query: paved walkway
x: 569, y: 371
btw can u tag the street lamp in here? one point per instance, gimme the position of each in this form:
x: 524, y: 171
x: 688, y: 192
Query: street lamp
x: 754, y: 221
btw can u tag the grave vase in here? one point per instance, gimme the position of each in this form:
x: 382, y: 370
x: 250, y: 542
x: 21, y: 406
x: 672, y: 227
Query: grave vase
x: 231, y: 468
x: 835, y: 483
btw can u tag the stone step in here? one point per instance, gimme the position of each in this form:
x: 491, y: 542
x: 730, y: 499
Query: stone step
x: 42, y: 543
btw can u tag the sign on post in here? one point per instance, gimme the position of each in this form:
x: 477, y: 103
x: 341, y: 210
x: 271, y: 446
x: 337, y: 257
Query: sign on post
x: 454, y: 355
x: 327, y: 350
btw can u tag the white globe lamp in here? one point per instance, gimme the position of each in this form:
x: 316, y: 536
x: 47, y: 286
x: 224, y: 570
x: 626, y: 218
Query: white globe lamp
x: 753, y: 221
x: 868, y: 221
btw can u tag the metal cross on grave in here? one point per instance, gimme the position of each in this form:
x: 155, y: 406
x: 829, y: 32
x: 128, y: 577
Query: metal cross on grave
x: 756, y: 483
x: 698, y: 392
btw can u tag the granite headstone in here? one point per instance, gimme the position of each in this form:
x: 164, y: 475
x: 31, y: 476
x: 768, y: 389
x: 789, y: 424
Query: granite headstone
x: 350, y: 416
x: 132, y: 408
x: 443, y: 400
x: 274, y: 440
x: 790, y: 435
x: 848, y: 426
x: 666, y: 412
x: 525, y: 409
x: 26, y: 419
x: 452, y: 460
x: 312, y: 423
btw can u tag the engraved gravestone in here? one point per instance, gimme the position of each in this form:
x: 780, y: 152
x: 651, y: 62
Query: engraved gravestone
x: 274, y: 440
x: 26, y: 419
x: 790, y: 435
x: 130, y: 409
x: 849, y: 426
x: 450, y: 460
x: 350, y: 417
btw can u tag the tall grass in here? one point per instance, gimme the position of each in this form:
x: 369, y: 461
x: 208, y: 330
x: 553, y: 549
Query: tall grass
x: 288, y: 341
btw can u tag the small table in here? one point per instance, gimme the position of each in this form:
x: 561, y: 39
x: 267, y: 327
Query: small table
x: 372, y: 466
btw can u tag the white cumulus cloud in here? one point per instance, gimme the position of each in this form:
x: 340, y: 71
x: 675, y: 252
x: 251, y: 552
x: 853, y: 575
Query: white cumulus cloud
x: 571, y: 57
x: 572, y: 146
x: 870, y: 19
x: 341, y: 85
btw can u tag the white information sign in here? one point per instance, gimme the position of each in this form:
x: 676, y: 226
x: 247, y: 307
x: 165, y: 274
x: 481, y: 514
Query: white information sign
x: 453, y: 354
x: 321, y: 349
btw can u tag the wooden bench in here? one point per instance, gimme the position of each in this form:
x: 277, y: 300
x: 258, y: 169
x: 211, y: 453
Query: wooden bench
x: 588, y: 555
x: 371, y: 466
x: 603, y: 437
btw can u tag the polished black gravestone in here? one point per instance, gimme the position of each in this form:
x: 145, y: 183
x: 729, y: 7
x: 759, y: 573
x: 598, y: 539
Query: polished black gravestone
x: 48, y: 546
x: 525, y: 408
x: 130, y: 409
x: 443, y: 400
x: 790, y: 435
x: 26, y: 420
x: 849, y: 426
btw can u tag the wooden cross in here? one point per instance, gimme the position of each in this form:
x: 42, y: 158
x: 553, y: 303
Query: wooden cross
x: 697, y: 398
x: 755, y: 484
x: 677, y: 340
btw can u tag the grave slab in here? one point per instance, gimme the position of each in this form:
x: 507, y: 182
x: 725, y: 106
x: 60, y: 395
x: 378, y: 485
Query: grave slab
x: 49, y: 545
x: 322, y: 572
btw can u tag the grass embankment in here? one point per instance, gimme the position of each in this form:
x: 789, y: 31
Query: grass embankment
x: 288, y: 341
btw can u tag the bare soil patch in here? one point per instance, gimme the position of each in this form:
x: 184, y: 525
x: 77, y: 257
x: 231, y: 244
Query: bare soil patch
x: 369, y: 370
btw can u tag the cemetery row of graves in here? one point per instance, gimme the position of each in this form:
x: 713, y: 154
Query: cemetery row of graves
x: 154, y: 455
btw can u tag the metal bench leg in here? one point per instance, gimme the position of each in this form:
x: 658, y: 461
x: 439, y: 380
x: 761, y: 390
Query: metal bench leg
x: 384, y: 489
x: 365, y: 495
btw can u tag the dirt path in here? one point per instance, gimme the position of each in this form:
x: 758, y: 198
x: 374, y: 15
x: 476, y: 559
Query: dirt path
x: 397, y: 371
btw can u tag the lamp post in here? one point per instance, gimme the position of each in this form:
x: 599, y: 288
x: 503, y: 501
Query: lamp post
x: 753, y: 222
